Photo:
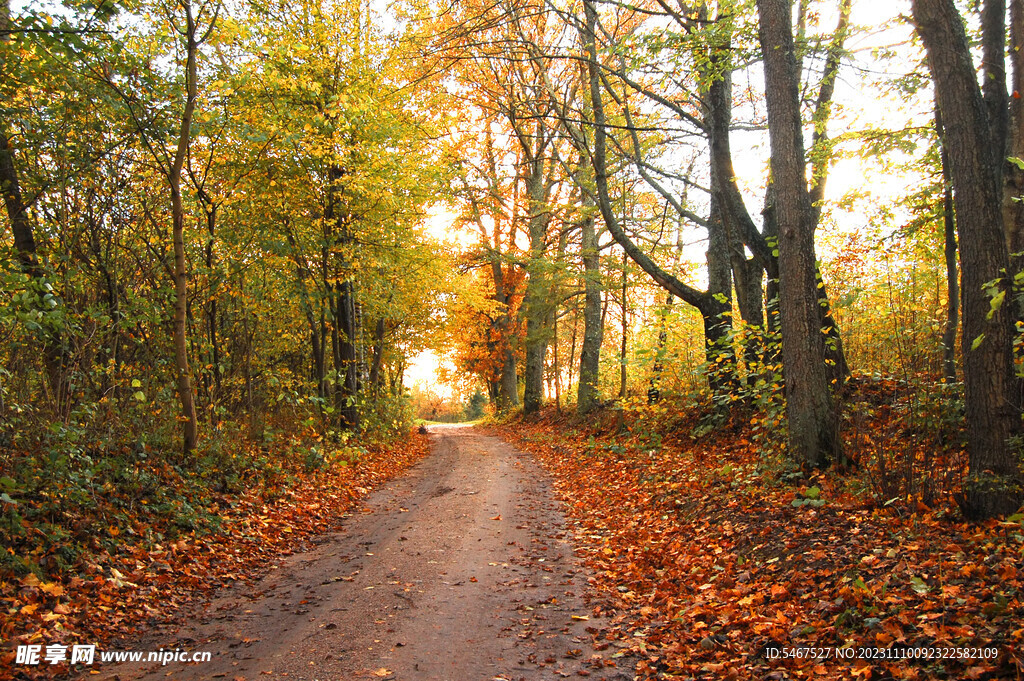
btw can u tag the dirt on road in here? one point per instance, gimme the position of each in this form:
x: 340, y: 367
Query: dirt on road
x: 462, y: 570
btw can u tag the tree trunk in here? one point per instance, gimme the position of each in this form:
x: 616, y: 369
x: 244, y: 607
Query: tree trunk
x: 623, y: 375
x: 508, y: 381
x: 813, y: 421
x: 347, y: 367
x: 1013, y: 208
x: 588, y: 395
x: 190, y: 426
x: 24, y: 240
x: 343, y: 325
x: 378, y: 357
x: 952, y: 273
x: 994, y: 482
x: 536, y: 303
x: 211, y: 311
x: 654, y: 390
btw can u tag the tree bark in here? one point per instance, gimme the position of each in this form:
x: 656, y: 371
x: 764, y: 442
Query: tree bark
x: 378, y: 357
x: 994, y: 483
x: 654, y: 389
x: 623, y: 373
x: 341, y: 302
x: 508, y: 381
x: 1013, y: 208
x: 812, y: 418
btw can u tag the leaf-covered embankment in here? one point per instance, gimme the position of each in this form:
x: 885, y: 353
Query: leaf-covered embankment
x: 136, y: 569
x: 716, y: 560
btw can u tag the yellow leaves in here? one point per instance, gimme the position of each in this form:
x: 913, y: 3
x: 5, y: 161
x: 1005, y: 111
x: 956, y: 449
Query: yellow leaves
x: 52, y: 589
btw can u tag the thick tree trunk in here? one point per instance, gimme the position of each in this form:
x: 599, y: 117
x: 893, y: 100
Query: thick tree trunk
x: 994, y: 483
x: 347, y: 367
x: 813, y: 421
x: 1013, y: 208
x: 508, y: 381
x: 717, y: 309
x: 730, y: 215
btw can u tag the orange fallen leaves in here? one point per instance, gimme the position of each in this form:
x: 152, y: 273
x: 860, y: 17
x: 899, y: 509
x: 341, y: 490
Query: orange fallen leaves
x: 114, y: 597
x: 706, y: 559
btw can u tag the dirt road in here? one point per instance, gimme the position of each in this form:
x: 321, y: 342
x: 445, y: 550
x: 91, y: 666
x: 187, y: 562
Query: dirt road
x: 462, y: 570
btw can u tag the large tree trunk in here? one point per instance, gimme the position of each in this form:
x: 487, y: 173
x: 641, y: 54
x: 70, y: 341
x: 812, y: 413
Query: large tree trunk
x: 190, y: 426
x: 348, y: 367
x: 813, y: 421
x: 717, y: 311
x: 1013, y: 208
x: 342, y: 304
x: 731, y: 215
x: 993, y: 486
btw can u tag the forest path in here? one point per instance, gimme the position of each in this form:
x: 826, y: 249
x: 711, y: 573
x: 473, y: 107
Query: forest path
x: 461, y: 570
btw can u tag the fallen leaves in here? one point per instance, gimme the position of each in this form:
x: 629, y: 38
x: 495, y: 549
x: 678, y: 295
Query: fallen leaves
x: 113, y: 595
x: 712, y: 561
